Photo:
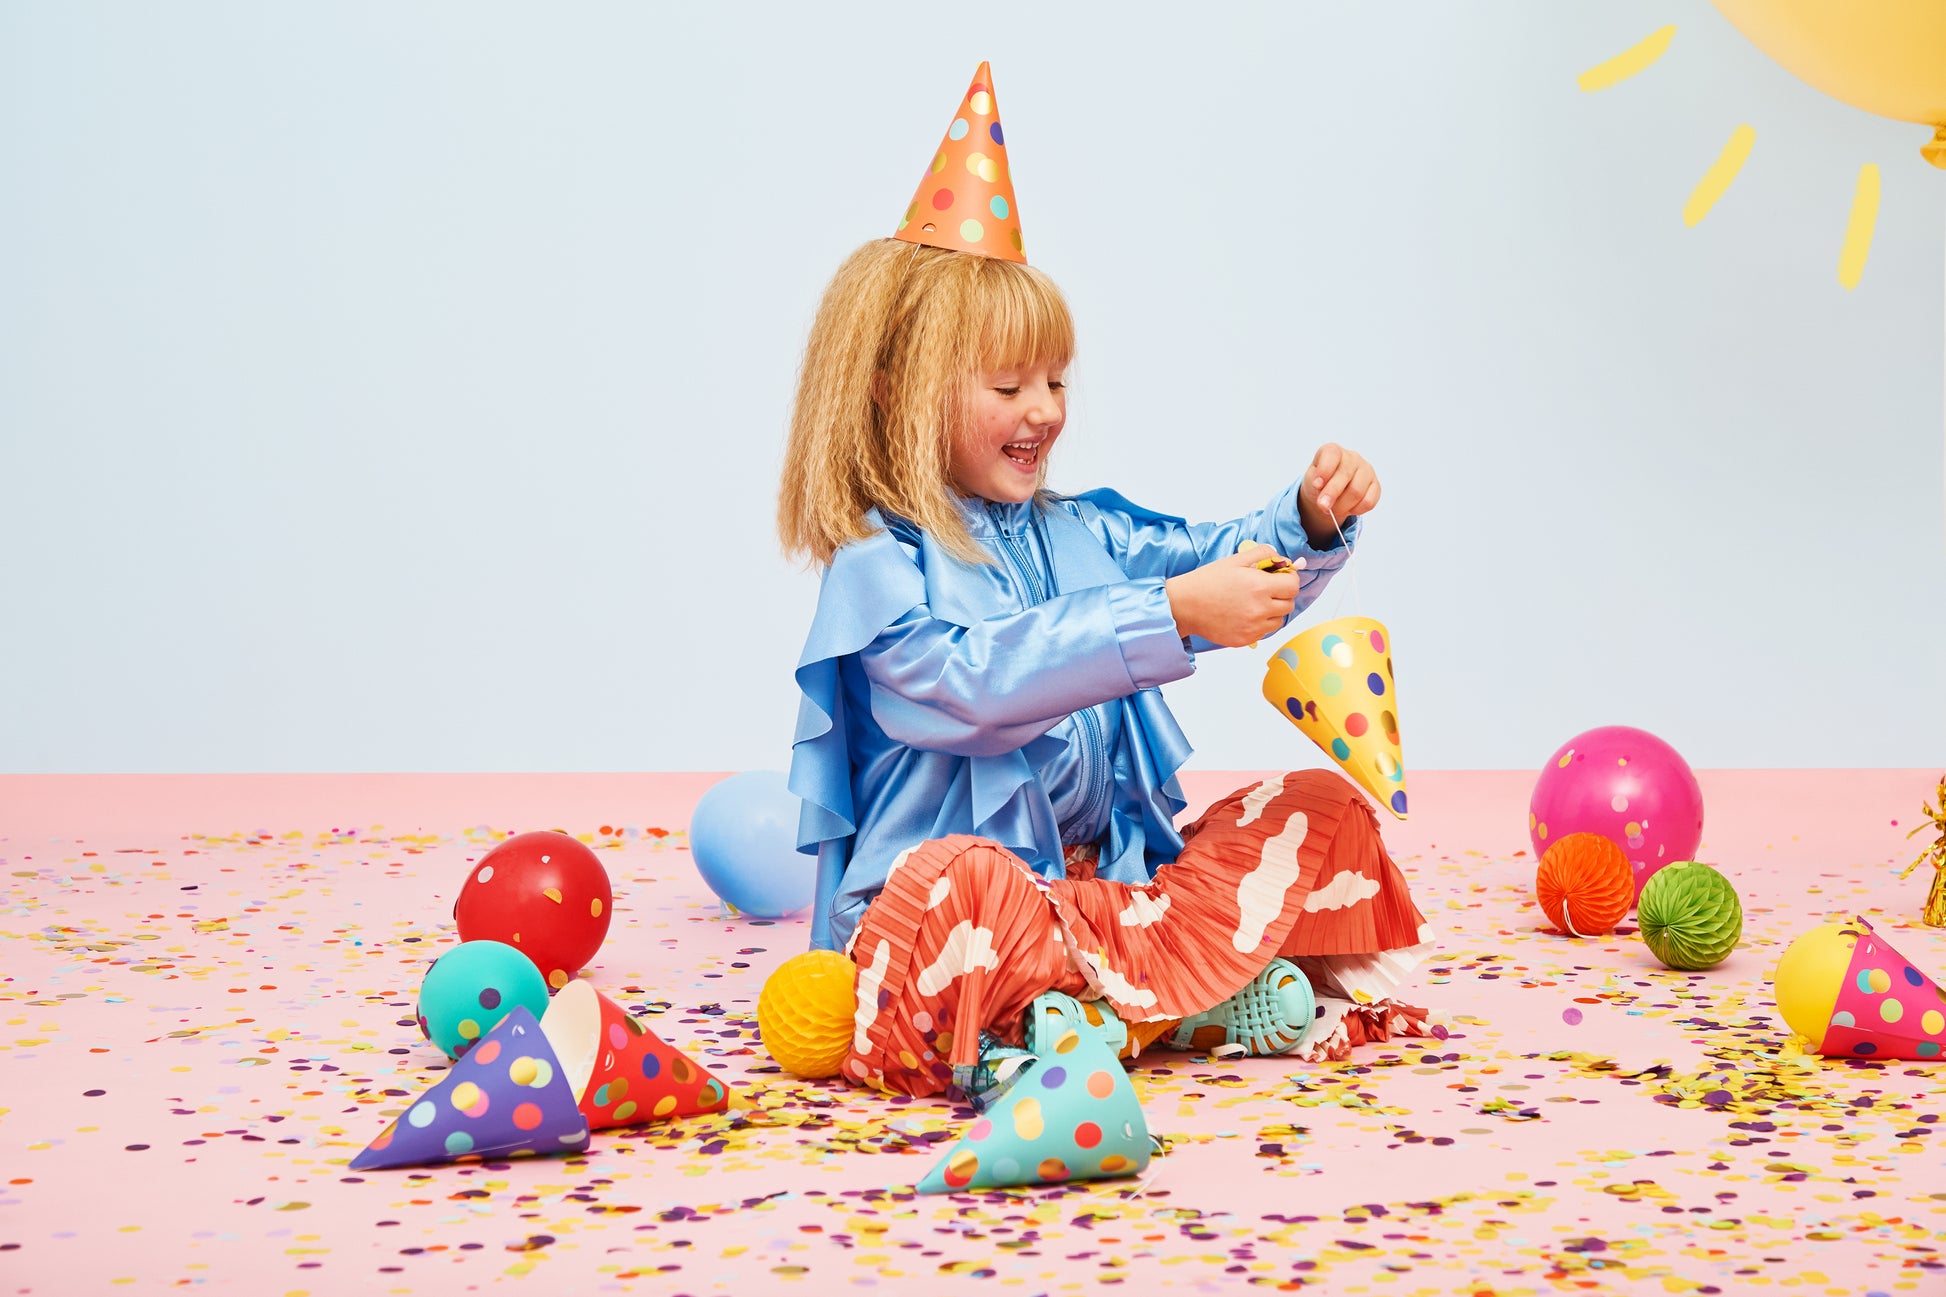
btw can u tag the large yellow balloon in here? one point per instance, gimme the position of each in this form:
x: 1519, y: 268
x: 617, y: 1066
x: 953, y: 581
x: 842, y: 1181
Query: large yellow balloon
x: 1884, y: 56
x: 1809, y: 977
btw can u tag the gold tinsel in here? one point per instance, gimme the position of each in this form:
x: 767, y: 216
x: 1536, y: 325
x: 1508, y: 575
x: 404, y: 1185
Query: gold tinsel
x: 1934, y: 914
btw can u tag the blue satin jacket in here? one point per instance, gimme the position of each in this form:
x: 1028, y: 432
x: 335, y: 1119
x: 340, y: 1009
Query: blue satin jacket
x: 1015, y: 700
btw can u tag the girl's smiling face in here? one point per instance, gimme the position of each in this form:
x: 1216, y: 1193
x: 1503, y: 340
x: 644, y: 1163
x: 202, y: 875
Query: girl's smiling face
x: 1017, y: 414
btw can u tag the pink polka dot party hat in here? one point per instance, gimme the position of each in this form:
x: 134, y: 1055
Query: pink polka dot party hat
x: 1884, y: 1006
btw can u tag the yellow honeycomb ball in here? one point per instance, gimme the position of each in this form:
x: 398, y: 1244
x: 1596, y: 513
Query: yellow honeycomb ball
x: 805, y: 1013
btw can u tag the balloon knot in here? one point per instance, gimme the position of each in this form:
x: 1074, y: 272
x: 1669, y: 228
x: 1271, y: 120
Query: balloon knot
x: 1934, y: 149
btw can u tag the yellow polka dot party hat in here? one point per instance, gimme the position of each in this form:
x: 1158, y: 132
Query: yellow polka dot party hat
x: 965, y: 202
x: 1334, y: 682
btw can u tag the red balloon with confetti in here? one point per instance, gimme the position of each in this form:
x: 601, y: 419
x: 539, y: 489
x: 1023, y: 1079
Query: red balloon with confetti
x: 544, y: 894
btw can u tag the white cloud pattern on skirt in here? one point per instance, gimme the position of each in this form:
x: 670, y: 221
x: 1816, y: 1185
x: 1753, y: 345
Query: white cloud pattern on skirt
x: 1342, y: 892
x: 1259, y: 797
x: 869, y: 979
x: 1144, y: 910
x: 1260, y: 893
x: 967, y: 948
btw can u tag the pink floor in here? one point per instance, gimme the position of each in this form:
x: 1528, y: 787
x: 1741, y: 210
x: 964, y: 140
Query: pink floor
x: 206, y: 1008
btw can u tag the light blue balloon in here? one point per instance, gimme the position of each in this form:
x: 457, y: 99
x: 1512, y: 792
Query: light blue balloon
x: 743, y: 838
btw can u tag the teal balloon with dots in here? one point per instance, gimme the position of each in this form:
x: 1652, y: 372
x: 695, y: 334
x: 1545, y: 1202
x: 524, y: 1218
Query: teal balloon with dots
x: 471, y: 987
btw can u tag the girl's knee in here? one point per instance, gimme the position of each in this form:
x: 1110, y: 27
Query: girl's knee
x: 1319, y: 783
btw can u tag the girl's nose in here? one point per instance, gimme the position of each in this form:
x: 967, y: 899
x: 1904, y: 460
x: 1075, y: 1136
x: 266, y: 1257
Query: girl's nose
x: 1045, y: 412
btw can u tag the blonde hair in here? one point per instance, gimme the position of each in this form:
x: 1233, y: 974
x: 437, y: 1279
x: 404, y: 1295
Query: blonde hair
x: 901, y: 339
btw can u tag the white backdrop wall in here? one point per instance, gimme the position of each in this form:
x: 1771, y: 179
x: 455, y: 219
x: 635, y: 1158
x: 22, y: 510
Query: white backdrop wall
x: 401, y: 387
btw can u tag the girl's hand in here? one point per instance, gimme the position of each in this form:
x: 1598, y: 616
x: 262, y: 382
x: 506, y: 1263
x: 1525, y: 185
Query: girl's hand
x: 1233, y: 601
x: 1339, y: 483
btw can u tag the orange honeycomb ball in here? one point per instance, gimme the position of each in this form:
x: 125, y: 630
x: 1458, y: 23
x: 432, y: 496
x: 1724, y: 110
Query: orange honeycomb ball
x: 1585, y: 884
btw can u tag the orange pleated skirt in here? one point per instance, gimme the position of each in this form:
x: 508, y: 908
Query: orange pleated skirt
x: 965, y: 934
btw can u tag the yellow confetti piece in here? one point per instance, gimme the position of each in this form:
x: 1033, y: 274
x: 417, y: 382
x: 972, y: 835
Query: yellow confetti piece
x: 1636, y: 58
x: 1858, y: 230
x: 1716, y: 181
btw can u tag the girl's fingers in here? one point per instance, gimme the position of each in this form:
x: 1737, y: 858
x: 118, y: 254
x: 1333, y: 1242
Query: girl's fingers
x: 1324, y: 464
x: 1357, y: 492
x: 1252, y: 553
x: 1335, y: 487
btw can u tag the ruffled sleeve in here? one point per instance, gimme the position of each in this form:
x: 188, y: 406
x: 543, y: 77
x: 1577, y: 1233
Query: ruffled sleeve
x: 989, y: 688
x: 870, y: 584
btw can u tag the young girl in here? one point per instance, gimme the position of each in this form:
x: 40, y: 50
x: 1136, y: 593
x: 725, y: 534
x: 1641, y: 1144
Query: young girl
x: 986, y: 764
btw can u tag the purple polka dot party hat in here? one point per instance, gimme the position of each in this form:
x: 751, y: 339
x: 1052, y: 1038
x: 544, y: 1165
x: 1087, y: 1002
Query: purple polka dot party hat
x: 1069, y: 1115
x: 965, y: 202
x: 509, y: 1096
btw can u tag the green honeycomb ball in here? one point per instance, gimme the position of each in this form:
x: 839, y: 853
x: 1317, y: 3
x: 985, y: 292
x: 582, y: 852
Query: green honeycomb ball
x: 1690, y: 915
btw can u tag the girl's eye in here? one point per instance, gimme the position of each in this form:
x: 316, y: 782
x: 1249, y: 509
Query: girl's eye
x: 1057, y: 384
x: 1008, y: 391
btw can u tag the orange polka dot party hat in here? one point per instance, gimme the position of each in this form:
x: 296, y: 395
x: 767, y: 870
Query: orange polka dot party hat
x: 965, y: 202
x: 624, y: 1073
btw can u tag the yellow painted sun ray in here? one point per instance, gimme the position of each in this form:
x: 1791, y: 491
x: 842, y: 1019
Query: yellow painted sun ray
x: 1858, y: 230
x: 1630, y: 61
x: 1716, y: 181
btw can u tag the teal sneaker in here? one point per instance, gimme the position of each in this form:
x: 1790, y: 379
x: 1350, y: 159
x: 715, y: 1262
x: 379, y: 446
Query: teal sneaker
x: 1052, y: 1013
x: 986, y: 1080
x: 1272, y: 1015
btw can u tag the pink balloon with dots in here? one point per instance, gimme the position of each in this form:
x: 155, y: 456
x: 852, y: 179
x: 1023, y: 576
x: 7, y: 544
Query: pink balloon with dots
x: 1627, y: 785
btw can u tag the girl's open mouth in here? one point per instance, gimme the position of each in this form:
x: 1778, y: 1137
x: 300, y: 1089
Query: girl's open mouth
x: 1025, y: 455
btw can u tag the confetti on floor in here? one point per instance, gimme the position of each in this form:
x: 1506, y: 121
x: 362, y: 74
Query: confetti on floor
x: 202, y: 1026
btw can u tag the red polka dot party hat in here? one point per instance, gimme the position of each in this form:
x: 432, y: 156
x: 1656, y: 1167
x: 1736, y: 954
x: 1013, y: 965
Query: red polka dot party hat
x: 624, y: 1073
x: 1070, y: 1115
x: 966, y: 200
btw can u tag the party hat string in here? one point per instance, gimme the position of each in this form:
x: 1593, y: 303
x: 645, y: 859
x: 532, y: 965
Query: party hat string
x: 1351, y: 569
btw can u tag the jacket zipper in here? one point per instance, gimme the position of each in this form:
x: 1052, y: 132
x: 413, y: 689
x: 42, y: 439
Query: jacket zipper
x: 1096, y: 761
x: 1036, y: 594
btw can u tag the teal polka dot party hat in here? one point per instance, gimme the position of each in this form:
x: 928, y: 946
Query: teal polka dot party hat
x: 965, y: 201
x: 1069, y: 1115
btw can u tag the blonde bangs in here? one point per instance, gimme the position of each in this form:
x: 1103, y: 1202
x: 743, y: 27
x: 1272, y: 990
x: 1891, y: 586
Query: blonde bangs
x: 1028, y: 322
